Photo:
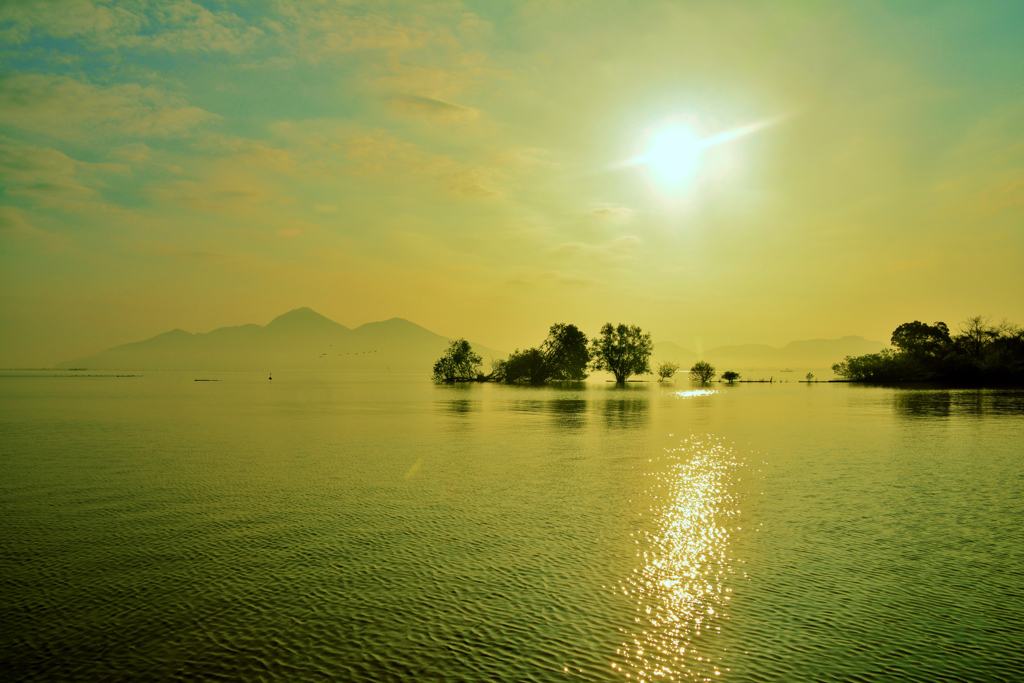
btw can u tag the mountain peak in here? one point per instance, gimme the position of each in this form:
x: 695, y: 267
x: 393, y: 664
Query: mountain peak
x: 302, y: 319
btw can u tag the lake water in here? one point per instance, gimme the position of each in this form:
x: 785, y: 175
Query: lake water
x: 366, y: 528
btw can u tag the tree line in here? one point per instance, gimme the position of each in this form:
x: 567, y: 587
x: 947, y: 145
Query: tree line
x: 981, y: 353
x: 566, y: 354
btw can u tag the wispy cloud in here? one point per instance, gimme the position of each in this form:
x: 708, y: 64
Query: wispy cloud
x: 66, y: 108
x: 51, y: 179
x: 172, y: 26
x: 620, y: 215
x: 432, y: 109
x: 13, y: 224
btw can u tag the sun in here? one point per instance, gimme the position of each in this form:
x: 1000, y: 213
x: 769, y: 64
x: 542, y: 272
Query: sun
x: 672, y: 155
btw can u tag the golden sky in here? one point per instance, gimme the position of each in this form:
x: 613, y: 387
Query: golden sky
x: 715, y: 172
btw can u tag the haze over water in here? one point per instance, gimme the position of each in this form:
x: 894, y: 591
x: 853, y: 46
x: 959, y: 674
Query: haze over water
x: 333, y: 527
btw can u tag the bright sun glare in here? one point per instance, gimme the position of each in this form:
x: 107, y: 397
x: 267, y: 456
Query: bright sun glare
x: 672, y: 155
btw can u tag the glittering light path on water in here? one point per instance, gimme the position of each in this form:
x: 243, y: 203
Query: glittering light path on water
x: 684, y: 558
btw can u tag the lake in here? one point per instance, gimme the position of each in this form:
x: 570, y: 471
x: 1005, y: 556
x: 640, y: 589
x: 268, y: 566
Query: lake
x: 332, y: 527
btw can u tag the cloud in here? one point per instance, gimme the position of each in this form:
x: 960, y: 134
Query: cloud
x: 69, y: 109
x: 66, y: 19
x: 546, y: 279
x: 247, y: 153
x: 52, y: 179
x: 134, y: 153
x: 434, y: 110
x: 616, y: 214
x: 320, y: 30
x: 14, y: 224
x: 474, y: 182
x: 175, y: 26
x: 230, y: 194
x: 189, y: 27
x: 331, y: 148
x: 616, y: 250
x: 527, y: 158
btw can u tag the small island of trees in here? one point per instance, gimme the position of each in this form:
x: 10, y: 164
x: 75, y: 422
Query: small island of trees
x: 566, y: 354
x: 981, y: 354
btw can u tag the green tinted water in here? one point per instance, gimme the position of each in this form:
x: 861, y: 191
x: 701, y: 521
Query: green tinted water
x: 344, y: 528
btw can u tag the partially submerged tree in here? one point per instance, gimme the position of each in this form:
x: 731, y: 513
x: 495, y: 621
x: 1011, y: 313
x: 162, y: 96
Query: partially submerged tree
x: 458, y: 364
x: 525, y: 366
x: 730, y: 376
x: 563, y: 356
x: 623, y: 351
x: 666, y: 369
x: 702, y: 371
x: 567, y: 352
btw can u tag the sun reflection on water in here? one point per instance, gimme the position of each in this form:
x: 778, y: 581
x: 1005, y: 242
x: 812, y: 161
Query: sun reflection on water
x: 693, y: 393
x: 679, y: 585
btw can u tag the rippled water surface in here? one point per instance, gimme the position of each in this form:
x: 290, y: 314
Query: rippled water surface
x: 367, y: 528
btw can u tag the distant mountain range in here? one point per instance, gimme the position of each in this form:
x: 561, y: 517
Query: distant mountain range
x: 811, y: 353
x: 298, y: 340
x: 307, y: 341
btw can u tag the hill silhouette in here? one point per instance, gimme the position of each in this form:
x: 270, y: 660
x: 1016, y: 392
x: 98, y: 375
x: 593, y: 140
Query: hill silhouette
x: 815, y: 353
x: 301, y: 340
x: 304, y: 340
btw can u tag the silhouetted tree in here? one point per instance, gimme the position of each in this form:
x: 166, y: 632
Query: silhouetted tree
x: 810, y: 376
x: 525, y: 366
x: 666, y: 369
x: 919, y: 339
x: 730, y: 376
x: 975, y: 335
x: 623, y: 350
x: 563, y: 356
x: 458, y: 364
x: 566, y: 352
x: 982, y: 353
x: 702, y: 371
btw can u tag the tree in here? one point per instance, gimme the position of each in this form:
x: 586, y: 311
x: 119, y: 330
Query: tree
x: 623, y: 351
x: 458, y: 363
x: 703, y: 371
x: 563, y: 356
x: 975, y: 335
x: 730, y: 376
x: 920, y: 340
x: 982, y: 353
x: 666, y: 369
x: 525, y: 366
x: 566, y: 352
x: 810, y: 376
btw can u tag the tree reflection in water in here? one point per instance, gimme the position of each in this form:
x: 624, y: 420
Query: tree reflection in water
x: 943, y: 403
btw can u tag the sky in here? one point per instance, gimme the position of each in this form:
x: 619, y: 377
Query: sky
x: 717, y: 173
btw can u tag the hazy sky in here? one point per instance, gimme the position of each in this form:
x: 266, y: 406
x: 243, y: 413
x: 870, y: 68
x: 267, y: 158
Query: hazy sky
x: 488, y: 168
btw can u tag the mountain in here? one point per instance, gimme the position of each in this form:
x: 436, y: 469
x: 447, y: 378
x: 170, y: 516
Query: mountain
x: 666, y: 350
x: 810, y: 353
x: 305, y: 340
x: 298, y: 340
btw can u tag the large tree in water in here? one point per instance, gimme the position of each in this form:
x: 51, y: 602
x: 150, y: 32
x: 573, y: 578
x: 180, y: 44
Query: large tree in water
x: 459, y: 363
x: 566, y: 352
x: 563, y: 356
x: 623, y: 351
